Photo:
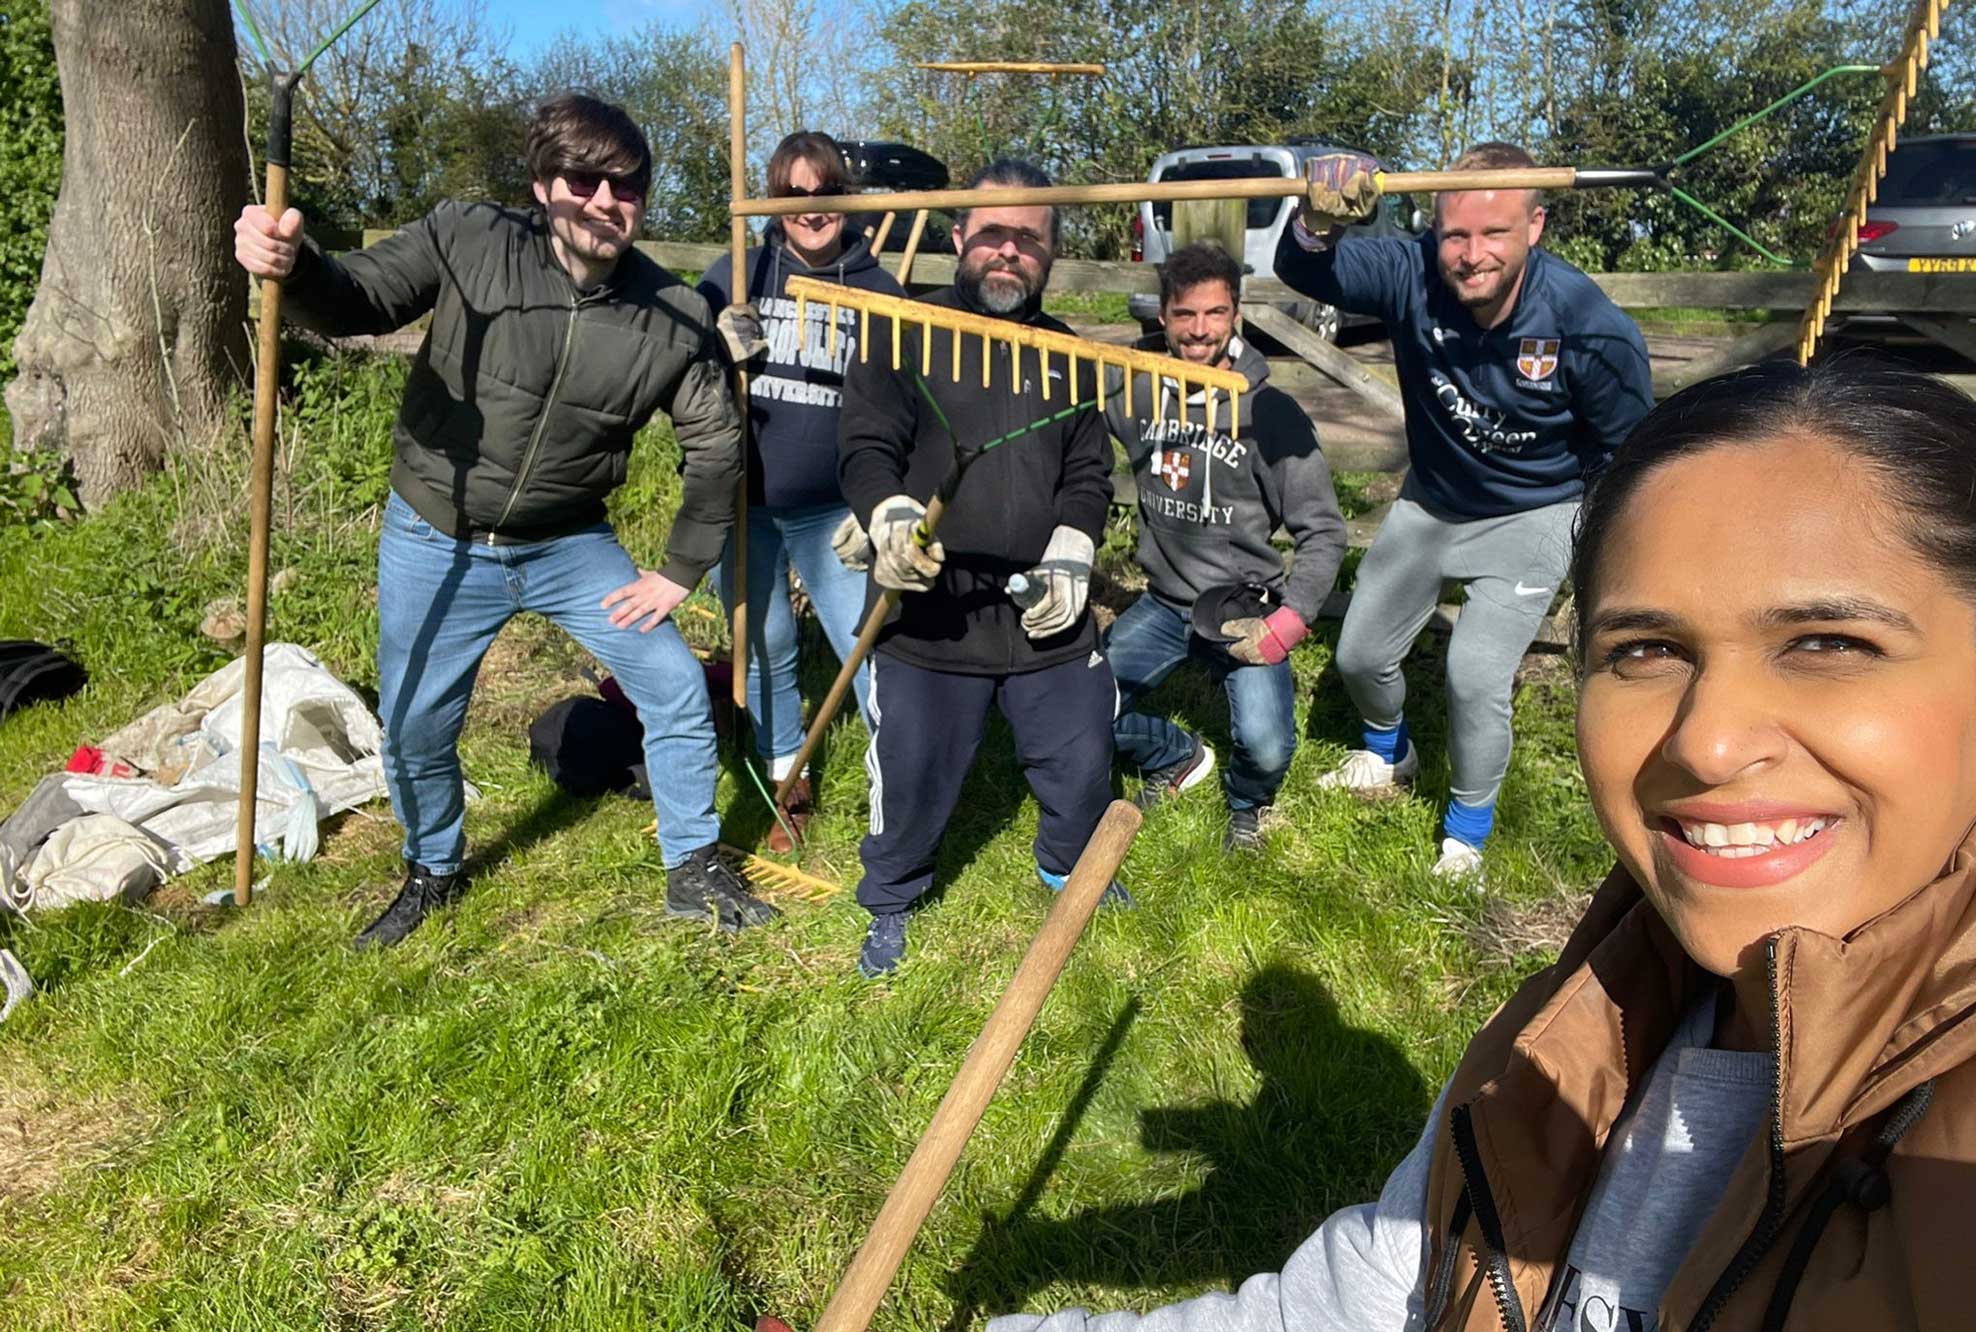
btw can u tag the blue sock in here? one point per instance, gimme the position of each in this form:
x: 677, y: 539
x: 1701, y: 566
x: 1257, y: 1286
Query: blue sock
x: 1469, y: 823
x: 1387, y: 742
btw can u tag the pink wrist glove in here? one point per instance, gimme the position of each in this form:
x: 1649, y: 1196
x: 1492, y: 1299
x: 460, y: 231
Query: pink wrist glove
x: 1265, y: 641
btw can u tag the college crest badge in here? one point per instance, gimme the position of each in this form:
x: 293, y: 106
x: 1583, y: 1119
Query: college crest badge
x: 1174, y: 468
x: 1536, y: 358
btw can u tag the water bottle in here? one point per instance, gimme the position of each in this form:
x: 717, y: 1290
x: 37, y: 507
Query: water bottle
x: 1023, y: 592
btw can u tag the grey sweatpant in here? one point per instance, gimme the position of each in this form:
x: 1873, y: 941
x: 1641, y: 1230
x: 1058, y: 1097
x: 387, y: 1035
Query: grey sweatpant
x: 1510, y: 568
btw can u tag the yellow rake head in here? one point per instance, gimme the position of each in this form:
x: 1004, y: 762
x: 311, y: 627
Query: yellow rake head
x: 1126, y: 362
x: 781, y: 880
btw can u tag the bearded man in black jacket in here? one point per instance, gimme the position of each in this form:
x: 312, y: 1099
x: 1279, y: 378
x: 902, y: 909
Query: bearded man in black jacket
x: 1033, y: 505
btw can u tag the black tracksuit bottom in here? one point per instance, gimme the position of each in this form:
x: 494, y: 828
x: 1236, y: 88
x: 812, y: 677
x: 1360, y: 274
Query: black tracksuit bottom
x: 929, y: 725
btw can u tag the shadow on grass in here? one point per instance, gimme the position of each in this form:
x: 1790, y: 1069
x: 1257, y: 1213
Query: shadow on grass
x: 554, y: 812
x: 1336, y: 1107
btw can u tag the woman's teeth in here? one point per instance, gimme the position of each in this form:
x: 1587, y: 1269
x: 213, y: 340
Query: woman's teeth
x: 1734, y: 841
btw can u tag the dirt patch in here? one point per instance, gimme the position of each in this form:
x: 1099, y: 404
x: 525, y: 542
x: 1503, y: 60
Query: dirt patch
x: 1506, y: 934
x: 44, y: 1134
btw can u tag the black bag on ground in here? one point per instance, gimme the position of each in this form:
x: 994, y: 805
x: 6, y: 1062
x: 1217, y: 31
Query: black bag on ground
x: 590, y: 746
x: 33, y: 672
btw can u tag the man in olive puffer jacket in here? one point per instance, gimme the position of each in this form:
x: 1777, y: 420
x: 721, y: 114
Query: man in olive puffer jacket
x: 552, y: 342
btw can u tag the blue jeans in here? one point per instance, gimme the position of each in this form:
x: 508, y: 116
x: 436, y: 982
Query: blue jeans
x: 1145, y: 645
x: 440, y: 601
x: 778, y: 538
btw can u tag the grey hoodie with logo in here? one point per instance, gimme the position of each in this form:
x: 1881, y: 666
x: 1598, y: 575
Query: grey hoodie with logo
x: 1210, y: 502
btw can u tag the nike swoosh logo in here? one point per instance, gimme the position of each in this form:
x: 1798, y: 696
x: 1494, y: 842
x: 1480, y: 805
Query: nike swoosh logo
x: 1523, y: 591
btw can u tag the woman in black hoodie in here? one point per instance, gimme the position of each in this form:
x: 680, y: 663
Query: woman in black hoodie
x: 795, y: 386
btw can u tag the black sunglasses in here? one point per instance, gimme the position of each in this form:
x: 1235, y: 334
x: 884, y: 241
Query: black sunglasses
x: 583, y: 184
x: 820, y: 192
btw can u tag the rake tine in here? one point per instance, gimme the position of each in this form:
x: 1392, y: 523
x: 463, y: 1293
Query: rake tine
x: 831, y: 350
x: 895, y: 344
x: 1043, y: 365
x: 925, y: 349
x: 987, y: 357
x: 864, y: 336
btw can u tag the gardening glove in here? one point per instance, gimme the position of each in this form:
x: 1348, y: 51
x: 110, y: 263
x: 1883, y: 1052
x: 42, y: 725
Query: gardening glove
x: 1264, y: 642
x: 740, y: 328
x: 1342, y: 189
x: 898, y: 560
x: 851, y: 545
x: 1065, y: 577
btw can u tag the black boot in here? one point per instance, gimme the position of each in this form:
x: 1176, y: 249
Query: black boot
x: 423, y: 892
x: 703, y: 888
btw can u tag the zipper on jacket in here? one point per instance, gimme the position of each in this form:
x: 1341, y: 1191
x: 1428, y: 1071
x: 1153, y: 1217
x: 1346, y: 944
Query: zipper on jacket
x: 542, y: 421
x: 1495, y: 1261
x: 1771, y: 1222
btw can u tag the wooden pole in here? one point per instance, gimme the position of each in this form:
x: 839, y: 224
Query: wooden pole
x: 1279, y: 187
x: 884, y: 230
x: 260, y: 519
x: 737, y: 170
x: 918, y: 1188
x: 905, y: 272
x: 260, y: 516
x: 1006, y: 67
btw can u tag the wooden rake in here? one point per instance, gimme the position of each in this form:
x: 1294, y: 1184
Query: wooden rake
x: 1019, y: 338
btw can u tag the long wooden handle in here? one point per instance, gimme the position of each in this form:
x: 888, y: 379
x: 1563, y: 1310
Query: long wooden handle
x: 1277, y: 187
x: 918, y: 1187
x: 267, y: 385
x: 874, y: 624
x: 737, y: 236
x: 905, y: 273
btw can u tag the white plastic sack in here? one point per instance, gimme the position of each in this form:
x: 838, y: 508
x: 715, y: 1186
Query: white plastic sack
x: 319, y: 744
x: 96, y: 858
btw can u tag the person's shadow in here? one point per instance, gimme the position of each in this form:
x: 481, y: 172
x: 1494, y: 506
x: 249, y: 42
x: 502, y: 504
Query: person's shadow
x: 1337, y: 1109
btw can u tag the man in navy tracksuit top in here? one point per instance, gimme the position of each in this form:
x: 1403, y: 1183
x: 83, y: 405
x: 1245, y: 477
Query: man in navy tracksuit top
x: 1519, y: 379
x: 1034, y: 505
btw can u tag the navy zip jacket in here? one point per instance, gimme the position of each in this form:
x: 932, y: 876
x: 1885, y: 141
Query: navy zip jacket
x: 1499, y: 420
x: 795, y: 392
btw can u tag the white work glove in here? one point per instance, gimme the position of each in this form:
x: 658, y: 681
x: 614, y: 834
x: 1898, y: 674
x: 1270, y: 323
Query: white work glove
x: 740, y: 327
x: 1065, y: 577
x: 899, y: 561
x: 1341, y: 190
x: 850, y: 544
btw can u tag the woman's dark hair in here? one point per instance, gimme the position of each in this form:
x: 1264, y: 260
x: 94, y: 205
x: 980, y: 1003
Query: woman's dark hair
x: 816, y: 148
x: 1191, y: 265
x: 1916, y: 432
x: 572, y: 132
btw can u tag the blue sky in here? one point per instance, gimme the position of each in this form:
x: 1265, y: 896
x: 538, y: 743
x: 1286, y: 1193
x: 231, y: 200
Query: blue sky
x: 536, y: 23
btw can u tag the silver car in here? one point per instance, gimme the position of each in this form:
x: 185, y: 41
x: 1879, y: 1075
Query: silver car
x: 1152, y: 228
x: 1925, y: 218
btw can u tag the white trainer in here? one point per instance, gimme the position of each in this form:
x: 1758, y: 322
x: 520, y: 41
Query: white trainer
x: 1459, y: 860
x: 1364, y: 770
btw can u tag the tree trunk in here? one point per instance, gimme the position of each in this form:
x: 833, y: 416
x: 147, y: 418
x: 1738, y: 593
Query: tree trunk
x: 137, y: 330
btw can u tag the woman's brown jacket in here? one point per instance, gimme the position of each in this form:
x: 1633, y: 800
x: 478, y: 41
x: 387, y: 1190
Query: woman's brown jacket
x: 1854, y: 1209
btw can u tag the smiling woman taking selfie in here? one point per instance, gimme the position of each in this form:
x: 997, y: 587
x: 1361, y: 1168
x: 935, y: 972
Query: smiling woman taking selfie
x: 1744, y: 1096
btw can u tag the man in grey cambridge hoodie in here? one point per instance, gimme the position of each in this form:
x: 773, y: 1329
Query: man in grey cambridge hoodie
x: 1209, y: 502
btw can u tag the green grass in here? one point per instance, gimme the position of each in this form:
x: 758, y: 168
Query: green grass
x: 555, y: 1108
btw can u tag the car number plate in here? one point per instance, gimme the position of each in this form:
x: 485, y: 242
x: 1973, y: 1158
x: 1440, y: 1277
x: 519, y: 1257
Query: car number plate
x: 1959, y: 264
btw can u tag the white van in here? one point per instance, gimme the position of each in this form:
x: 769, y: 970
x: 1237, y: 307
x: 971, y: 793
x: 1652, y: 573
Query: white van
x: 1152, y: 227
